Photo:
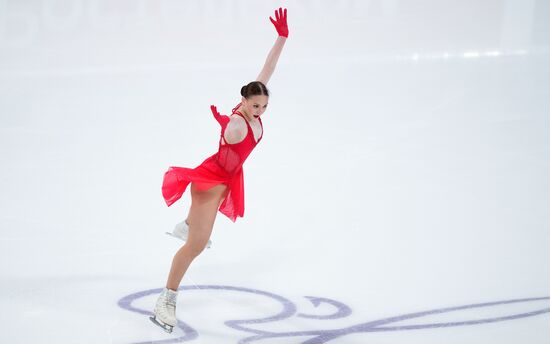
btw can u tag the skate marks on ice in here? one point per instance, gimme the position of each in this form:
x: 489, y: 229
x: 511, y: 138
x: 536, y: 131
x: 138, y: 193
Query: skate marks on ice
x: 341, y: 311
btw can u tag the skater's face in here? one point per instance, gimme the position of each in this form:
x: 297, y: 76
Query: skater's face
x: 255, y: 105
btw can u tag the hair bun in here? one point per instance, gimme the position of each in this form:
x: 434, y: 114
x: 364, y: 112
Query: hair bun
x: 254, y: 88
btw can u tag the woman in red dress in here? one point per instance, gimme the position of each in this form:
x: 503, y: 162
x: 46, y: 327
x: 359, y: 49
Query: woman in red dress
x: 217, y: 183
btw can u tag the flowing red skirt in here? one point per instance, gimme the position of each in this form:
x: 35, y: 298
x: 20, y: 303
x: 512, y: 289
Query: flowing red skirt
x: 208, y: 174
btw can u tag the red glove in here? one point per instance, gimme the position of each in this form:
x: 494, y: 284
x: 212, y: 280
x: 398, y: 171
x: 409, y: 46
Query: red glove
x: 222, y: 119
x: 280, y: 24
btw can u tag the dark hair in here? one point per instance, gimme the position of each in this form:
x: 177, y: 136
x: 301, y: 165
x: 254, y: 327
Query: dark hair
x: 255, y: 88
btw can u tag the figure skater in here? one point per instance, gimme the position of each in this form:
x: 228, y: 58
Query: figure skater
x: 217, y: 183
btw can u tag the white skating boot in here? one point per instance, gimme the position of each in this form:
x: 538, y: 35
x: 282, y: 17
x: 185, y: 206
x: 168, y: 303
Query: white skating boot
x: 165, y: 310
x: 181, y: 231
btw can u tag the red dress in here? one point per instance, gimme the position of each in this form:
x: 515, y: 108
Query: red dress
x: 224, y: 167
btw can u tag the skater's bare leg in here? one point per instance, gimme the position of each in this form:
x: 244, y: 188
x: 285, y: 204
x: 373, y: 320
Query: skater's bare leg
x: 202, y: 214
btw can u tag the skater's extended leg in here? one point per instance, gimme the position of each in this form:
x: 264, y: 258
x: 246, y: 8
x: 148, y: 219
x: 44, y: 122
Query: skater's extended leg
x: 202, y: 214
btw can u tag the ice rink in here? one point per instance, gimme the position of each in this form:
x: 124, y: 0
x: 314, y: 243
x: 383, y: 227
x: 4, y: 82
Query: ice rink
x: 400, y: 194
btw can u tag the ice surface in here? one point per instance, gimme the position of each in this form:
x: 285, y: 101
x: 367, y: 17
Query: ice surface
x: 404, y: 169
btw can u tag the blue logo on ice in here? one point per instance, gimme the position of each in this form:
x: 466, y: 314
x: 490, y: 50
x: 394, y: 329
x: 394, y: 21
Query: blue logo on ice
x: 340, y: 311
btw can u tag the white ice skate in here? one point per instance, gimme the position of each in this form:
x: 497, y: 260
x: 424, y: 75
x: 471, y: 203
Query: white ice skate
x: 181, y: 231
x: 165, y: 310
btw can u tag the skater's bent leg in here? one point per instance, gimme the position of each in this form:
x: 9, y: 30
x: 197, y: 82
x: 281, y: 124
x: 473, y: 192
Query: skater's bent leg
x: 202, y: 214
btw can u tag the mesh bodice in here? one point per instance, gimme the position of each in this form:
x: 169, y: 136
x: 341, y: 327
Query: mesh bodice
x: 232, y: 156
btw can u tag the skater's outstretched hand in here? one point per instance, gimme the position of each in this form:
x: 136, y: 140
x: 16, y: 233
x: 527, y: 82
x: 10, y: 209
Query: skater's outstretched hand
x: 222, y: 119
x: 280, y: 23
x: 273, y: 56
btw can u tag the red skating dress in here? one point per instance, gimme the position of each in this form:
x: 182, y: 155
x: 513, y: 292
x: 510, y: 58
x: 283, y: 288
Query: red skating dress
x: 224, y: 167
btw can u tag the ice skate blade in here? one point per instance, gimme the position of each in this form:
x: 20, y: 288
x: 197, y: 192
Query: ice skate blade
x: 177, y: 237
x: 165, y: 327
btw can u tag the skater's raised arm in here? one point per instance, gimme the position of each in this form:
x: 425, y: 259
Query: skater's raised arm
x: 282, y: 29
